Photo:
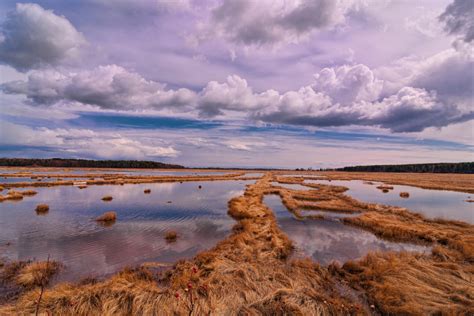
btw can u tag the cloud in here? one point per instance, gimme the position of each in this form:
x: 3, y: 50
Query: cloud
x: 348, y: 83
x: 261, y: 23
x: 234, y: 94
x: 109, y: 87
x: 347, y: 95
x: 144, y: 6
x: 413, y: 110
x: 459, y: 19
x: 32, y: 37
x: 80, y: 142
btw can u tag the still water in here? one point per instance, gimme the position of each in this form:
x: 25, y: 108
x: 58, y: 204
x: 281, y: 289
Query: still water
x: 330, y: 240
x: 69, y: 234
x: 431, y: 203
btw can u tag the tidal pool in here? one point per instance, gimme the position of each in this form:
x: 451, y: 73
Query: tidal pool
x: 432, y: 203
x: 69, y: 234
x: 43, y: 179
x: 330, y: 240
x: 139, y: 172
x: 292, y: 186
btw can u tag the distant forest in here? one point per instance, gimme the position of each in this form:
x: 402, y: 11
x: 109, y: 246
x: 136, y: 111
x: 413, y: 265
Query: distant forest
x: 83, y: 163
x: 460, y: 167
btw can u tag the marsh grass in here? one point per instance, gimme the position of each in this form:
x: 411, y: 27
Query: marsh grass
x: 384, y: 187
x: 37, y: 273
x: 404, y: 195
x: 28, y: 193
x: 12, y: 195
x: 107, y: 217
x: 107, y: 198
x: 147, y: 191
x: 252, y: 272
x: 171, y: 236
x: 42, y: 209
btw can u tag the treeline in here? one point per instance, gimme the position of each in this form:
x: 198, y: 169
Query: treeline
x: 458, y: 167
x: 83, y: 163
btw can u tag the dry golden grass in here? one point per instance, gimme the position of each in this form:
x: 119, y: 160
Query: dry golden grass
x: 107, y: 198
x: 19, y: 277
x: 436, y: 181
x: 37, y: 273
x: 248, y: 272
x: 29, y: 193
x: 384, y: 188
x: 107, y: 178
x: 251, y: 271
x: 171, y: 236
x: 16, y: 195
x: 42, y: 208
x: 107, y: 217
x: 411, y: 284
x: 404, y: 195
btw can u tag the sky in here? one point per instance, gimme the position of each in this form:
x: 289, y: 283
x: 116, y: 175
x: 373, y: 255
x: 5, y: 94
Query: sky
x: 238, y: 83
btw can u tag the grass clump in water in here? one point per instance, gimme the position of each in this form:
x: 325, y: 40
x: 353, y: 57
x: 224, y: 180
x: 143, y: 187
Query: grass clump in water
x: 107, y: 217
x: 171, y: 236
x: 107, y: 198
x: 42, y: 209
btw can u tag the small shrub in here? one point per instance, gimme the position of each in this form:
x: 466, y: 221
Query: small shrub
x: 107, y: 217
x: 42, y: 209
x: 107, y: 198
x: 171, y: 236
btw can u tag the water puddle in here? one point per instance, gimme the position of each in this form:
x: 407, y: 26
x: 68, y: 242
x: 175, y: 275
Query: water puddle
x: 129, y: 172
x: 41, y: 179
x: 292, y: 186
x: 69, y: 234
x: 252, y: 175
x: 432, y: 203
x: 328, y: 240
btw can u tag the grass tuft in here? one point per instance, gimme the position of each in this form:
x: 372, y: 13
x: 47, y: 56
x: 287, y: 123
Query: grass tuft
x: 107, y: 217
x: 42, y: 209
x: 107, y: 198
x: 171, y: 236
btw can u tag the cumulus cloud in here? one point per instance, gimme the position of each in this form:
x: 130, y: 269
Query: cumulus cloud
x: 234, y: 94
x: 109, y: 87
x: 338, y: 96
x: 87, y: 142
x: 32, y: 37
x: 348, y: 83
x: 459, y: 19
x: 449, y: 73
x: 258, y: 23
